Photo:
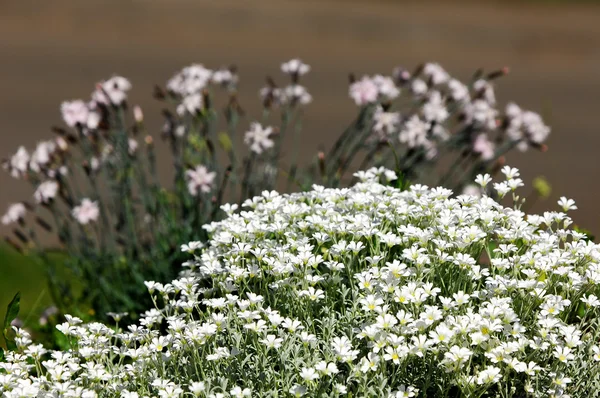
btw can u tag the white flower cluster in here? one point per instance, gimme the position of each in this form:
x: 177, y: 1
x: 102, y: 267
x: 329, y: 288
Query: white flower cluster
x: 441, y: 105
x: 366, y: 290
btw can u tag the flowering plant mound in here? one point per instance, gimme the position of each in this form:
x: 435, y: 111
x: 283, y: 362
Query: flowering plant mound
x: 362, y: 291
x: 97, y: 189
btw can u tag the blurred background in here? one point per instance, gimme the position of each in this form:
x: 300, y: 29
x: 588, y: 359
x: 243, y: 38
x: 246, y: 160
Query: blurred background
x: 55, y: 51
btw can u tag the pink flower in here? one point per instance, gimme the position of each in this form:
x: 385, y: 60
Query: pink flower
x: 484, y: 147
x: 364, y: 91
x: 86, y: 212
x: 200, y: 180
x: 74, y: 112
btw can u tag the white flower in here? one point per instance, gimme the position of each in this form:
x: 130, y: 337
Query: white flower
x: 46, y: 191
x: 567, y: 204
x: 489, y: 375
x: 192, y: 246
x: 309, y: 374
x: 591, y: 300
x: 364, y: 91
x: 86, y: 212
x: 510, y: 172
x: 404, y: 392
x: 197, y: 388
x: 14, y: 213
x: 298, y: 390
x: 483, y: 180
x: 200, y: 180
x: 295, y: 66
x: 272, y: 341
x: 563, y: 354
x: 237, y: 392
x: 258, y: 138
x: 326, y: 369
x: 112, y: 91
x: 596, y: 351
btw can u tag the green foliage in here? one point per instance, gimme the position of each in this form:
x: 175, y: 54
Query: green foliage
x: 11, y: 314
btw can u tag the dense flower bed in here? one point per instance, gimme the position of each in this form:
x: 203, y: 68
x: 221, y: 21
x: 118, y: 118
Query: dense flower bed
x: 369, y: 291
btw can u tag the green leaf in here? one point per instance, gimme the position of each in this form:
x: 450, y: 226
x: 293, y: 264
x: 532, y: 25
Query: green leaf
x: 225, y: 142
x: 12, y: 310
x: 1, y: 355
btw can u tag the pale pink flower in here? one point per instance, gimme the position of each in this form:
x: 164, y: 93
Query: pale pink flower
x: 200, y: 180
x: 481, y: 114
x: 385, y: 122
x: 191, y: 104
x: 225, y: 77
x: 190, y: 80
x: 86, y: 212
x: 419, y: 87
x: 525, y: 126
x: 132, y: 146
x: 112, y: 91
x: 364, y: 91
x: 42, y: 155
x: 46, y: 191
x: 258, y: 138
x: 483, y: 146
x: 19, y: 163
x: 414, y: 132
x: 534, y: 127
x: 138, y: 115
x: 434, y: 109
x: 75, y: 113
x: 436, y: 73
x: 486, y: 89
x: 297, y: 93
x: 458, y: 91
x: 295, y: 66
x: 14, y: 213
x: 272, y: 95
x: 386, y: 87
